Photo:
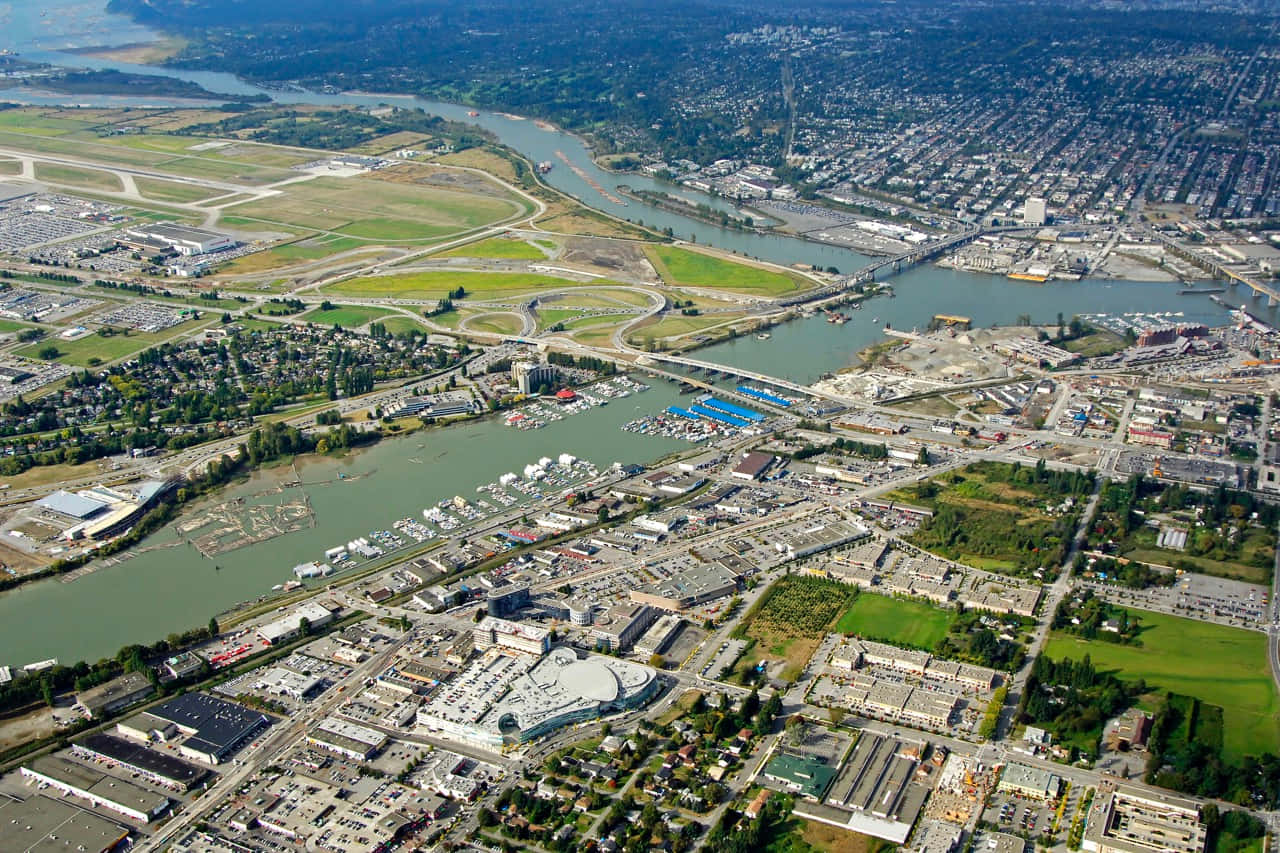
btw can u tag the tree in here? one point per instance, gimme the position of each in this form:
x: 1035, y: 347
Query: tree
x: 304, y: 626
x: 657, y: 661
x: 49, y: 353
x: 213, y: 626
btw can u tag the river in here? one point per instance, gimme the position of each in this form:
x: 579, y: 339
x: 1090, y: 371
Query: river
x: 166, y: 590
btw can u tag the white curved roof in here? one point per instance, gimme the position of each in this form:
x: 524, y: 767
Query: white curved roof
x: 590, y: 679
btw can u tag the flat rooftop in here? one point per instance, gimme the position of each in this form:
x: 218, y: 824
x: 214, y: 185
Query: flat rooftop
x: 42, y: 823
x: 85, y: 778
x: 217, y: 724
x: 136, y: 755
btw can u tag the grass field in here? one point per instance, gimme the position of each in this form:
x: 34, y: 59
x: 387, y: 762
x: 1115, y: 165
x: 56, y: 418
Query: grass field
x: 896, y: 621
x: 379, y: 210
x: 158, y: 190
x: 73, y: 176
x: 10, y: 167
x: 678, y: 326
x: 437, y: 285
x: 497, y: 247
x: 106, y: 349
x: 495, y: 323
x: 400, y: 324
x: 346, y: 316
x: 1257, y: 549
x: 697, y: 269
x: 1218, y: 665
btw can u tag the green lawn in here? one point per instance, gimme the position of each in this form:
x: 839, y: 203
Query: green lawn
x: 497, y: 247
x: 399, y: 324
x: 498, y: 324
x: 346, y: 316
x: 437, y: 285
x: 895, y: 620
x: 1218, y: 665
x: 697, y: 269
x: 72, y: 176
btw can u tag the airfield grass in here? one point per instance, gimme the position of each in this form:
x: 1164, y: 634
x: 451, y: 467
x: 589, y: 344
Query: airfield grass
x: 497, y: 247
x: 346, y: 316
x: 74, y: 176
x: 291, y: 254
x: 435, y: 284
x: 1213, y: 663
x: 896, y: 621
x: 158, y: 190
x: 698, y: 269
x: 78, y: 352
x: 381, y: 210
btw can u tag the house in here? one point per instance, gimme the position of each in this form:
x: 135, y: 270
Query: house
x: 754, y: 808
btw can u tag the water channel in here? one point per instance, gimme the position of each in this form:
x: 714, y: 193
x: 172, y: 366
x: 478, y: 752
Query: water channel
x: 171, y: 589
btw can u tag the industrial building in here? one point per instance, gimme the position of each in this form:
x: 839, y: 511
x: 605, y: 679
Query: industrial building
x: 289, y: 626
x: 752, y: 466
x: 100, y: 513
x: 116, y: 694
x: 43, y: 823
x: 214, y: 729
x: 153, y: 765
x: 1125, y: 821
x: 877, y: 791
x: 165, y: 236
x: 88, y: 783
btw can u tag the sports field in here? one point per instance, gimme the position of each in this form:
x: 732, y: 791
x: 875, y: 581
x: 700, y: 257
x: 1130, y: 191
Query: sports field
x: 896, y: 620
x: 1215, y: 664
x: 378, y: 210
x: 697, y: 269
x: 437, y: 285
x: 497, y: 247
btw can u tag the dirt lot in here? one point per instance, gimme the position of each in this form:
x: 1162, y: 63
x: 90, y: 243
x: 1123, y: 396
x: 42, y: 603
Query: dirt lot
x: 608, y: 257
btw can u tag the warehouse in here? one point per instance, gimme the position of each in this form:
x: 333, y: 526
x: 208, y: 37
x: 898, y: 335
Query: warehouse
x: 158, y: 767
x: 752, y: 467
x: 290, y: 626
x: 108, y: 792
x: 215, y: 729
x: 660, y: 635
x: 43, y: 823
x: 694, y: 585
x: 105, y: 699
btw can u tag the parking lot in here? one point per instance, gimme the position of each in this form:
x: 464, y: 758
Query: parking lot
x: 1213, y: 599
x: 1018, y: 816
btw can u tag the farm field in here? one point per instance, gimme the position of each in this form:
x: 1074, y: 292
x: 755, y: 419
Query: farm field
x: 697, y: 269
x: 789, y: 621
x: 438, y: 284
x: 497, y: 247
x: 74, y: 176
x: 1218, y: 665
x: 378, y: 210
x: 346, y: 316
x: 900, y: 622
